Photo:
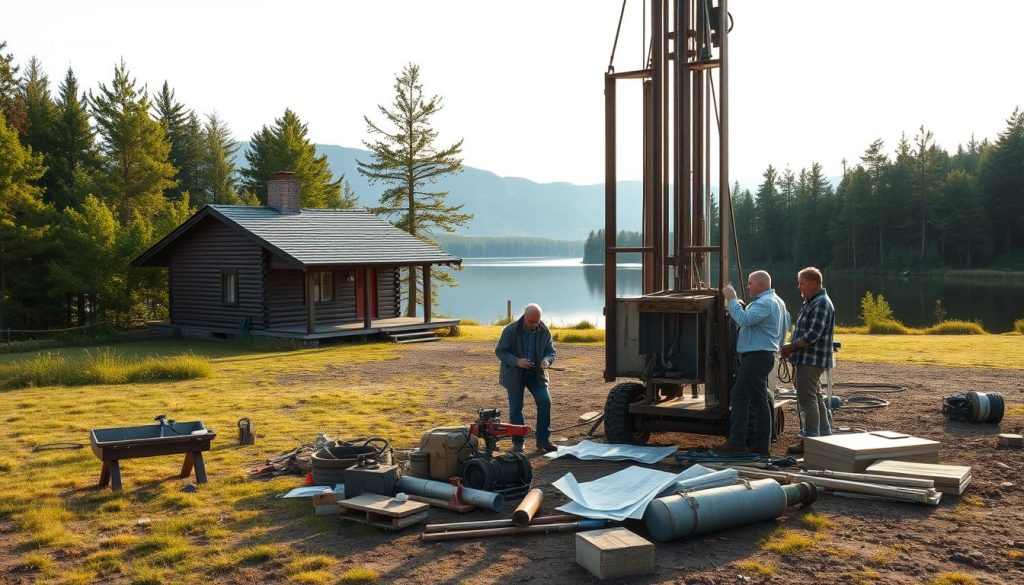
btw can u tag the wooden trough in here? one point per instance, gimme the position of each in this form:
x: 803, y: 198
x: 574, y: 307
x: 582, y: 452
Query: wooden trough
x: 111, y: 445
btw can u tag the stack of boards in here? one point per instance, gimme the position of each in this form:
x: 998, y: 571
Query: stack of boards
x: 854, y: 452
x: 949, y: 479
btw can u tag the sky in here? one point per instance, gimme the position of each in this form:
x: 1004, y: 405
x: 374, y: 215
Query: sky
x: 522, y: 82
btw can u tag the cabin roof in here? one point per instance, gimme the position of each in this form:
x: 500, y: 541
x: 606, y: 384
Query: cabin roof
x: 311, y: 237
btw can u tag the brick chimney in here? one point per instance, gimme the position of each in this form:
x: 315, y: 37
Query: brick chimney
x: 283, y: 192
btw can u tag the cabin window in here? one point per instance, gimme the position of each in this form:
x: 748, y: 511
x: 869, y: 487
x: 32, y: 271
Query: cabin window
x: 229, y: 287
x: 323, y: 287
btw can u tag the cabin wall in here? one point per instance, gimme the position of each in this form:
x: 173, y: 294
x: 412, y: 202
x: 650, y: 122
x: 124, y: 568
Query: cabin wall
x: 196, y: 263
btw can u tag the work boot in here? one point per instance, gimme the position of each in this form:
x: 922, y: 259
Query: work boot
x: 546, y: 447
x: 517, y: 448
x: 796, y: 448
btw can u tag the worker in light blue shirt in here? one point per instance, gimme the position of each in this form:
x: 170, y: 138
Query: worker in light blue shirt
x: 763, y: 325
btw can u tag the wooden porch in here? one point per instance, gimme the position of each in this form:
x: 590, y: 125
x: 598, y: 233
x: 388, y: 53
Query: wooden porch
x: 324, y: 331
x: 377, y: 327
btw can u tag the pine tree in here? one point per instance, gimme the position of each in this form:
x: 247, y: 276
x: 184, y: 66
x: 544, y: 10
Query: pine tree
x: 12, y: 102
x: 41, y: 113
x: 74, y: 160
x: 286, y: 147
x: 1002, y: 178
x: 136, y: 170
x: 406, y: 158
x: 218, y: 183
x: 23, y: 225
x: 184, y: 133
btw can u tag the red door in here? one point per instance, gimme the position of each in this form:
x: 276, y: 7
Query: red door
x: 360, y: 290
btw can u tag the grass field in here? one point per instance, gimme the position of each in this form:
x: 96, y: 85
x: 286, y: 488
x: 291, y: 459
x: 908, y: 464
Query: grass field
x: 61, y: 529
x: 230, y: 523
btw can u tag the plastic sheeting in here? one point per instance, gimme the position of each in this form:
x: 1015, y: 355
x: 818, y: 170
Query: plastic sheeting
x: 589, y: 450
x: 626, y: 494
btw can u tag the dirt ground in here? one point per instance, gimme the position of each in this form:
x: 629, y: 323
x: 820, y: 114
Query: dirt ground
x: 980, y: 535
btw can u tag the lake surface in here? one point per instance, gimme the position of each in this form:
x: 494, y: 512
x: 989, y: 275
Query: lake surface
x: 568, y: 291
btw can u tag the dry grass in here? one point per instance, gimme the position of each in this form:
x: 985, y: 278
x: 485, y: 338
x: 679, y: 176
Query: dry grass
x: 359, y: 575
x: 786, y: 541
x: 864, y: 576
x: 761, y: 569
x: 102, y: 367
x: 818, y: 522
x: 231, y: 522
x: 1014, y: 554
x: 956, y: 578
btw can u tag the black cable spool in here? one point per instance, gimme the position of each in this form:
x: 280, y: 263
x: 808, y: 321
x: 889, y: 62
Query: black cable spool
x: 974, y: 406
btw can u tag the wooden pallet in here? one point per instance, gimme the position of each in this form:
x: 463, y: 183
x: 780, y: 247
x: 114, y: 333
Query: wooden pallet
x: 382, y: 511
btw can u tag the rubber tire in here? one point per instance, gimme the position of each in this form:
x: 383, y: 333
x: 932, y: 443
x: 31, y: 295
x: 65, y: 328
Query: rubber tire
x: 778, y: 423
x: 618, y: 423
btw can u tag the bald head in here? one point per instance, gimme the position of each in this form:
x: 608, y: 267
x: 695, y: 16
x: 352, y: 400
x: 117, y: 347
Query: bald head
x: 758, y: 282
x: 531, y: 316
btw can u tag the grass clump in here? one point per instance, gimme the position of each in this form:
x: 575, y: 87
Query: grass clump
x: 103, y: 367
x: 818, y: 522
x: 581, y: 324
x: 956, y: 578
x: 1014, y: 554
x: 1018, y: 326
x: 45, y: 526
x: 475, y: 323
x: 756, y: 568
x: 785, y: 541
x: 579, y: 336
x: 501, y: 320
x: 310, y: 563
x: 36, y: 561
x: 955, y: 327
x: 359, y: 575
x: 864, y: 576
x: 260, y: 553
x: 889, y: 327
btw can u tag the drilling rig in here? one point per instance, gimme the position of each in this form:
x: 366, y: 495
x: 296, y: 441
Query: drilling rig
x: 676, y: 340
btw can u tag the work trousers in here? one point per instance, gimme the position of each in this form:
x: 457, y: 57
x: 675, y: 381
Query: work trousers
x: 542, y: 398
x: 807, y: 380
x: 750, y: 403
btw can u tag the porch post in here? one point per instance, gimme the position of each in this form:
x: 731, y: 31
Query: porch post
x: 310, y: 303
x: 367, y: 307
x: 426, y: 293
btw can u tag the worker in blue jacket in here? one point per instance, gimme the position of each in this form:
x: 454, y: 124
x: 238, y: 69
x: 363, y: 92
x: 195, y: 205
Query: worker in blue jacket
x: 763, y: 325
x: 526, y: 353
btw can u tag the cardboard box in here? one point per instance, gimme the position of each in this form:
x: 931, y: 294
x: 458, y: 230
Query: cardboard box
x: 614, y: 552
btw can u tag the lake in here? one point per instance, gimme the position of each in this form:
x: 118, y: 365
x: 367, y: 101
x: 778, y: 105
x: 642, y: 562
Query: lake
x: 569, y: 291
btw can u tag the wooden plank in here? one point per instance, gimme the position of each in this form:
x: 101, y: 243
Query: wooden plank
x: 384, y: 505
x: 949, y: 479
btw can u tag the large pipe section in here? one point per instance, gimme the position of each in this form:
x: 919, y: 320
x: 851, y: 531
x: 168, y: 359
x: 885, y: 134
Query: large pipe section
x: 528, y: 508
x: 685, y: 515
x: 444, y: 491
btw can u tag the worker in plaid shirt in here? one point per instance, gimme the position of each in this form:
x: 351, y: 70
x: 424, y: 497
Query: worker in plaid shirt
x: 810, y: 350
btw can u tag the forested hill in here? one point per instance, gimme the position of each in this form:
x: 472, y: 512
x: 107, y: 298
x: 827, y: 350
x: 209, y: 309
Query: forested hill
x: 503, y: 206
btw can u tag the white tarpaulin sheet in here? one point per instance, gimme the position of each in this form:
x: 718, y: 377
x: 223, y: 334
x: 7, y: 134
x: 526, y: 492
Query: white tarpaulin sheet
x: 588, y: 450
x: 625, y: 494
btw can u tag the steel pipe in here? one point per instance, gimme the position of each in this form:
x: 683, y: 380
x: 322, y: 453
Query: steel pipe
x: 685, y: 515
x: 444, y: 491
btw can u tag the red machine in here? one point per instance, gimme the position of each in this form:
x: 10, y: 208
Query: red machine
x: 489, y: 428
x: 509, y: 474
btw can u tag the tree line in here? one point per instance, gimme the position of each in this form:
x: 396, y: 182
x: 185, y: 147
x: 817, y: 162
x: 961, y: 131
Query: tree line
x: 508, y: 246
x: 91, y: 178
x: 917, y: 207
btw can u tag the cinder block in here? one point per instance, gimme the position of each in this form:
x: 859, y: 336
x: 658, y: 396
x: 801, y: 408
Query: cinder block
x: 614, y: 552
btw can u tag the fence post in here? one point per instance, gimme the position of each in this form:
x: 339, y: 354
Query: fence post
x: 509, y: 309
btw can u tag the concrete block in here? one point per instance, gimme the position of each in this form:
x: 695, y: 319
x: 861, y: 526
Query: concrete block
x: 614, y: 552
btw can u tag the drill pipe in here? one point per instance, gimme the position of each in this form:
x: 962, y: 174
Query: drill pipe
x: 506, y: 523
x: 543, y: 529
x: 528, y: 508
x: 443, y: 491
